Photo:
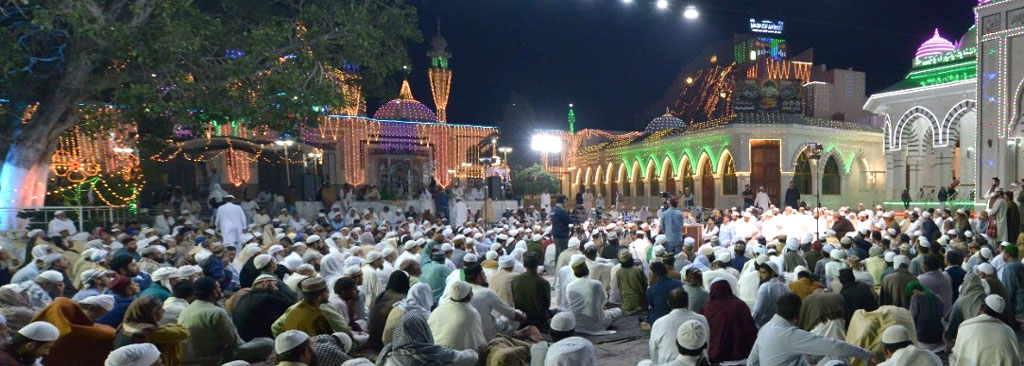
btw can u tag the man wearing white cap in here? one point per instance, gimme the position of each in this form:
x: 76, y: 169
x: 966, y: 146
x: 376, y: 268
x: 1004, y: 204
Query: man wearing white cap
x: 587, y: 299
x: 573, y: 248
x: 164, y: 222
x: 501, y: 282
x: 455, y: 323
x: 496, y: 317
x: 141, y: 354
x: 230, y: 220
x: 985, y: 339
x: 372, y: 285
x: 568, y: 350
x: 899, y: 349
x: 691, y: 340
x: 47, y: 286
x: 30, y: 344
x: 292, y: 348
x: 60, y: 224
x: 164, y: 280
x: 662, y: 344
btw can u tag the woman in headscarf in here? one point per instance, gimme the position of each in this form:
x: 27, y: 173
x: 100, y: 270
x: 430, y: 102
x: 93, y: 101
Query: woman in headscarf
x: 15, y: 306
x: 332, y: 267
x: 81, y: 341
x: 396, y: 290
x: 926, y: 309
x: 732, y: 330
x: 419, y: 299
x: 972, y: 295
x: 414, y: 346
x: 140, y: 326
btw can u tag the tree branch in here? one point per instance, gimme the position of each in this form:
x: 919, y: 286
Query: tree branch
x: 142, y: 10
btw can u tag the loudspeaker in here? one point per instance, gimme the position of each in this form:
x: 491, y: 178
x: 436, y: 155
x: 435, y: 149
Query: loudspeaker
x: 494, y: 188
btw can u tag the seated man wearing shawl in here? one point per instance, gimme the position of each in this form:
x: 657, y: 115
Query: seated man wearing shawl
x: 567, y: 349
x: 309, y: 315
x: 413, y: 345
x: 587, y: 299
x: 81, y: 342
x: 456, y: 323
x: 780, y: 342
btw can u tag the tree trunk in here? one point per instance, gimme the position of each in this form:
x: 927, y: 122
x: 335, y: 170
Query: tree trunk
x: 26, y: 167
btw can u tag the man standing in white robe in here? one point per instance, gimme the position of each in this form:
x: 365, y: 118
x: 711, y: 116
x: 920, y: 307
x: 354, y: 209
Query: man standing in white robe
x: 997, y: 213
x: 230, y: 220
x: 60, y: 223
x: 762, y: 201
x: 461, y: 212
x: 545, y: 202
x: 587, y: 299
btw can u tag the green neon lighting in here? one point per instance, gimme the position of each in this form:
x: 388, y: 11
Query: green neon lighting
x: 958, y: 65
x: 572, y: 121
x: 439, y: 62
x: 946, y: 58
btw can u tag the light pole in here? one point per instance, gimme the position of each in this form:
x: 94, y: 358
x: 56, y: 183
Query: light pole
x: 813, y: 152
x: 505, y: 150
x: 287, y: 165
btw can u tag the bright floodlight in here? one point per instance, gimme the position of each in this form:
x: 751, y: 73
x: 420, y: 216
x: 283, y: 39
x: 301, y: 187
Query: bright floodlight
x: 627, y: 1
x: 691, y: 12
x: 662, y: 4
x: 546, y: 143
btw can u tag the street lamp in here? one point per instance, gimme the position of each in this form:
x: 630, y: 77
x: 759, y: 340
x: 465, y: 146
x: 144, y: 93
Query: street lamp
x: 813, y: 152
x: 691, y: 12
x: 505, y: 150
x: 287, y: 166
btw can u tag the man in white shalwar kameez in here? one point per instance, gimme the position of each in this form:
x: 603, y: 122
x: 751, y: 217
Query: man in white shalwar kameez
x: 663, y: 332
x: 371, y: 282
x: 163, y: 223
x: 230, y: 220
x: 986, y: 340
x: 587, y: 299
x: 460, y: 213
x: 545, y: 202
x: 455, y: 323
x: 761, y: 200
x: 997, y: 213
x: 61, y: 222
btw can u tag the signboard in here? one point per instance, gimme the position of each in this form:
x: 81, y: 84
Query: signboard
x: 769, y: 96
x: 766, y: 26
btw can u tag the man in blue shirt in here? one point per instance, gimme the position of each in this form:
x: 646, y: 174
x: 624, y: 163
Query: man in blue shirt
x: 658, y: 293
x: 560, y: 220
x: 672, y: 226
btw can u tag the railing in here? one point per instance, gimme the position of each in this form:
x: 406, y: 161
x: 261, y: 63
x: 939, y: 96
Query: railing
x: 41, y: 216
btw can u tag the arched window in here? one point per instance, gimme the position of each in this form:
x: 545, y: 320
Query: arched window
x: 802, y: 175
x: 639, y: 185
x: 655, y: 189
x: 730, y: 184
x: 626, y: 191
x: 687, y: 177
x: 831, y: 179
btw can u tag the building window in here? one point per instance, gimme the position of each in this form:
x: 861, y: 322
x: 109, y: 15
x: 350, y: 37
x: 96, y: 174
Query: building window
x: 802, y: 175
x: 687, y: 177
x: 831, y: 180
x: 655, y: 189
x: 626, y: 192
x: 639, y: 186
x: 730, y: 184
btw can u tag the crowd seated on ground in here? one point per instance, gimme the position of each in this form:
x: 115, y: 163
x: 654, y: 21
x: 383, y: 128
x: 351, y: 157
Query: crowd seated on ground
x: 768, y: 286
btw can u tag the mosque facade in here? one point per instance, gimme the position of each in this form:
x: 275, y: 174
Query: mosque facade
x: 747, y: 113
x: 938, y: 134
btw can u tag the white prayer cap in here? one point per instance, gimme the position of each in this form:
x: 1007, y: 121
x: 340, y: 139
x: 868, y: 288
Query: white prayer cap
x: 660, y: 239
x: 261, y: 261
x: 41, y: 332
x: 188, y: 271
x: 986, y: 253
x: 495, y: 247
x: 289, y: 340
x: 163, y: 273
x: 104, y: 301
x: 470, y: 257
x: 459, y: 290
x: 90, y: 275
x: 895, y: 334
x: 373, y: 255
x: 917, y: 233
x: 536, y: 237
x: 846, y: 240
x: 986, y: 269
x: 409, y: 244
x: 447, y: 247
x: 995, y: 302
x: 892, y: 232
x: 506, y: 261
x: 563, y: 322
x: 968, y: 234
x: 279, y: 236
x: 491, y: 255
x: 357, y: 362
x: 203, y: 255
x: 351, y: 271
x: 692, y: 335
x: 51, y: 276
x: 923, y: 241
x: 459, y: 237
x: 900, y: 260
x: 836, y: 254
x: 353, y: 261
x: 774, y: 267
x: 799, y: 269
x: 574, y: 242
x: 210, y: 232
x: 236, y: 363
x: 274, y: 249
x: 658, y: 250
x: 387, y: 251
x: 142, y: 354
x: 312, y: 239
x: 831, y: 232
x: 723, y: 256
x: 926, y: 214
x: 447, y: 232
x: 689, y: 241
x: 53, y: 257
x: 577, y: 259
x: 345, y: 340
x: 292, y: 262
x: 792, y: 243
x: 889, y: 256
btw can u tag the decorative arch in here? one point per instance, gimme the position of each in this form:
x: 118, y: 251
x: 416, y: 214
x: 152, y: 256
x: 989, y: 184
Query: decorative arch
x: 586, y: 177
x: 705, y: 158
x: 620, y: 175
x: 651, y: 173
x: 634, y: 174
x: 910, y: 115
x: 831, y: 177
x: 579, y: 176
x: 1017, y: 108
x: 599, y: 181
x: 954, y: 115
x: 727, y: 169
x: 802, y: 177
x: 887, y: 135
x: 685, y: 167
x: 686, y: 174
x: 668, y: 169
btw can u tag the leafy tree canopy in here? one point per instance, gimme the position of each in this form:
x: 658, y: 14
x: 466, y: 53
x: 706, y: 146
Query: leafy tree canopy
x: 534, y: 180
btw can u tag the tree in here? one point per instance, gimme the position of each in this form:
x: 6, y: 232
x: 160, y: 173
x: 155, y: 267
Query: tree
x: 164, y: 63
x: 534, y: 180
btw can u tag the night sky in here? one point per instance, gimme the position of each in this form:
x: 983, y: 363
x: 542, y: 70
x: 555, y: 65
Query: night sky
x: 613, y: 59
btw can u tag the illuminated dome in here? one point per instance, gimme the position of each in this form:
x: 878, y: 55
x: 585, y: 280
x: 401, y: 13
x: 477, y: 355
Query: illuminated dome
x: 405, y: 108
x: 666, y: 121
x: 934, y: 46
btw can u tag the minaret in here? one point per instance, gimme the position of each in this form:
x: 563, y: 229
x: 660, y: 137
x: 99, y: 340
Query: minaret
x: 440, y: 74
x: 572, y: 120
